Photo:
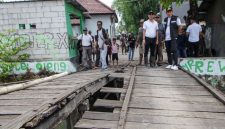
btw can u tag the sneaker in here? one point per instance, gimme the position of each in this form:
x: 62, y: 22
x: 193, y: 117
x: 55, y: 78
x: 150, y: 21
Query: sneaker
x: 174, y: 67
x: 169, y: 67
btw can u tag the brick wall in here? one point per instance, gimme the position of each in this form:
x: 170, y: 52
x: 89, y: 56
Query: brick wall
x: 50, y: 36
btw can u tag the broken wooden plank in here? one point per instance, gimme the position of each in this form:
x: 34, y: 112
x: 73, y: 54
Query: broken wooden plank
x: 101, y: 116
x: 98, y: 124
x: 108, y: 103
x: 112, y: 90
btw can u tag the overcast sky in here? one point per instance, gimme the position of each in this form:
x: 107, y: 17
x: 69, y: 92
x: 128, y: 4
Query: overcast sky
x: 107, y: 2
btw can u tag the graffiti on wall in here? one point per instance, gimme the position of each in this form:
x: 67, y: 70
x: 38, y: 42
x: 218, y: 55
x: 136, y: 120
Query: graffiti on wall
x: 46, y: 40
x: 204, y: 66
x: 52, y: 42
x: 54, y: 66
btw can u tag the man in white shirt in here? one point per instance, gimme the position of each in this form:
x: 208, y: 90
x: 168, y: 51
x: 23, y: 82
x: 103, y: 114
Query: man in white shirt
x: 172, y: 25
x: 193, y: 31
x: 86, y: 40
x: 150, y: 38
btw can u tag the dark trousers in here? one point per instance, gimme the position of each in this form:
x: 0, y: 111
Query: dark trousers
x: 150, y: 43
x: 97, y: 61
x: 80, y: 56
x: 159, y: 53
x: 182, y: 52
x: 194, y: 49
x: 171, y: 49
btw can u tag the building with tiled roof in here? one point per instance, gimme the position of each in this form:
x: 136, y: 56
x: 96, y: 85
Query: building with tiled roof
x: 99, y: 12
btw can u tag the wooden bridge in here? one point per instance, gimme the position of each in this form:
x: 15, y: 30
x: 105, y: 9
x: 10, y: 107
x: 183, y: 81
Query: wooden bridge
x: 148, y: 99
x: 158, y: 99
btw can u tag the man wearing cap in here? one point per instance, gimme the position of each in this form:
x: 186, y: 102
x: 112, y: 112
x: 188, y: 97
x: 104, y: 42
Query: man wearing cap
x: 150, y: 38
x: 87, y: 49
x: 172, y: 25
x: 193, y: 31
x: 161, y: 35
x: 102, y: 39
x: 139, y: 41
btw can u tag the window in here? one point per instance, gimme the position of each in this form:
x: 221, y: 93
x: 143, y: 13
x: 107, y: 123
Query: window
x: 32, y: 26
x: 22, y: 26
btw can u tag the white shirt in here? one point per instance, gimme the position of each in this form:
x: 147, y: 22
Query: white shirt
x: 86, y: 40
x: 100, y: 39
x: 194, y: 31
x: 168, y: 36
x: 151, y: 28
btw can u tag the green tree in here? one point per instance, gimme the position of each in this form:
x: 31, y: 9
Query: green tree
x: 131, y: 11
x: 11, y: 46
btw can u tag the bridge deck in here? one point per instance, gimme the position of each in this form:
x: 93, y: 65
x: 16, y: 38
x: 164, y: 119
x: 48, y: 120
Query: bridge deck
x: 20, y: 107
x: 161, y: 99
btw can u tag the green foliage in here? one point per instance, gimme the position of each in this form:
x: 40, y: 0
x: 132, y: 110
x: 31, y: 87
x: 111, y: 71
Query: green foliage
x: 11, y: 46
x: 132, y: 11
x: 167, y: 3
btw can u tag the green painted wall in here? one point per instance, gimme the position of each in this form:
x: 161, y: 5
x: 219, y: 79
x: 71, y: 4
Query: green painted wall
x: 70, y: 9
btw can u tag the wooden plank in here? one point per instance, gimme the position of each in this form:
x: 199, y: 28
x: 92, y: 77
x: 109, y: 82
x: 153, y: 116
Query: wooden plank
x: 108, y: 103
x: 169, y: 95
x: 6, y: 118
x: 22, y: 102
x: 101, y: 116
x: 15, y: 110
x: 39, y: 91
x: 220, y: 96
x: 164, y: 75
x: 52, y: 87
x: 175, y: 120
x: 170, y: 113
x: 211, y: 101
x: 162, y: 106
x: 38, y: 96
x: 135, y: 125
x: 98, y: 124
x: 169, y: 120
x: 172, y: 92
x: 123, y: 113
x: 165, y: 81
x: 170, y: 87
x: 113, y: 90
x: 179, y: 107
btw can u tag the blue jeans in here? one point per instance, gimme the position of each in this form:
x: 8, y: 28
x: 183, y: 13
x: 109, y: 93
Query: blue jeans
x: 131, y: 53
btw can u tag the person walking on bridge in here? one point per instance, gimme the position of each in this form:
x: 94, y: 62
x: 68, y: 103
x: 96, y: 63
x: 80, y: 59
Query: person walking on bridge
x: 87, y: 49
x: 150, y: 38
x: 193, y: 31
x: 102, y: 43
x: 172, y: 25
x: 161, y: 35
x: 139, y: 41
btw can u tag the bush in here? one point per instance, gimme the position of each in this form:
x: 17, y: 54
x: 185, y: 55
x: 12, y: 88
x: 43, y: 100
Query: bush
x: 10, y: 52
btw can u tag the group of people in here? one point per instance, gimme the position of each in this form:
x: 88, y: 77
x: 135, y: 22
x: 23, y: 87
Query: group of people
x: 97, y: 50
x: 153, y: 34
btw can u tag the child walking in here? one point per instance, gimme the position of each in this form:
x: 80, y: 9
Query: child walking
x: 115, y: 51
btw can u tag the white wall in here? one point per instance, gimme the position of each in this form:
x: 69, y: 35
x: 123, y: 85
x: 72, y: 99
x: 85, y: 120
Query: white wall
x: 49, y: 38
x: 91, y: 24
